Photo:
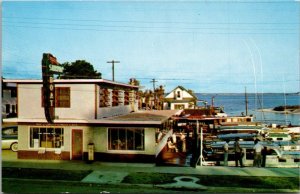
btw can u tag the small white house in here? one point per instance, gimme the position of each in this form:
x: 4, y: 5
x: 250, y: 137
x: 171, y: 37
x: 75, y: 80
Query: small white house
x: 90, y: 114
x: 180, y: 98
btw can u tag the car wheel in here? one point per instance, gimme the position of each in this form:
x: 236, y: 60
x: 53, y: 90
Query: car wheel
x: 14, y: 147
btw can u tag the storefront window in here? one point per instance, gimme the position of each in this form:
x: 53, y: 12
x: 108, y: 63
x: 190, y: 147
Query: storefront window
x: 46, y: 137
x: 126, y: 139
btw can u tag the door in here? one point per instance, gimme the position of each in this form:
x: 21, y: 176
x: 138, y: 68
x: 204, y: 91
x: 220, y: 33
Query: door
x: 77, y: 144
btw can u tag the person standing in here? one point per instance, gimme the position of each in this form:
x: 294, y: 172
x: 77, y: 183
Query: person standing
x: 257, y: 154
x: 238, y: 152
x: 171, y: 146
x: 226, y: 149
x: 182, y: 139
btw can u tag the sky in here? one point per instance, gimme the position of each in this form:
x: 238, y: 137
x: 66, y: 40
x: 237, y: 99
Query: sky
x: 205, y: 46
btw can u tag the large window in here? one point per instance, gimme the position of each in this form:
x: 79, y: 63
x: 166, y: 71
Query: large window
x: 62, y: 97
x: 46, y: 137
x: 126, y: 139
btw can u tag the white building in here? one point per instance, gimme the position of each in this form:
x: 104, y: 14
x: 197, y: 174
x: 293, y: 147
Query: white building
x: 180, y: 98
x: 94, y: 112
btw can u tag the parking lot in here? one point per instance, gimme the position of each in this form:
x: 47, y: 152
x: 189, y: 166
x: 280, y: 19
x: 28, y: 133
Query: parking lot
x: 8, y: 155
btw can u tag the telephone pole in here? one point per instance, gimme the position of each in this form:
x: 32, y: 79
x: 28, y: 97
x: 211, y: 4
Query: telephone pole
x: 113, y: 68
x: 153, y: 81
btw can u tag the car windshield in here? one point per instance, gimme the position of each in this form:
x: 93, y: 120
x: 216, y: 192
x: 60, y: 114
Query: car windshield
x: 10, y: 131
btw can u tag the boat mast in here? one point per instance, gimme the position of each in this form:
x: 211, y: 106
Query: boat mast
x: 246, y: 101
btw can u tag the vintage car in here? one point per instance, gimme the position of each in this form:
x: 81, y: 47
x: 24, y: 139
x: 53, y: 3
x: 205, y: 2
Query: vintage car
x: 10, y: 138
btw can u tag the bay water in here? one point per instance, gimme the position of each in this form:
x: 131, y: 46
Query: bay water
x: 234, y: 105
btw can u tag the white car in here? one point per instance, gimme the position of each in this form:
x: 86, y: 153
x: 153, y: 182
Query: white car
x: 10, y: 138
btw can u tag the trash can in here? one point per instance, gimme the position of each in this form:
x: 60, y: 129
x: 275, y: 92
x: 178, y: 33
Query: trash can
x: 90, y: 152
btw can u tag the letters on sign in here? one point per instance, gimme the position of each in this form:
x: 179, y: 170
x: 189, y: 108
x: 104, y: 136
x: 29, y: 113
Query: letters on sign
x: 50, y: 66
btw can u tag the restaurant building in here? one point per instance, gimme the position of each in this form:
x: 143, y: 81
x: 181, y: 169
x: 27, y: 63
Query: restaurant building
x: 90, y: 114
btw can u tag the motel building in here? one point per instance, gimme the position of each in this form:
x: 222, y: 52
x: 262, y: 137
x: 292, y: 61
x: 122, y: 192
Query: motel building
x: 95, y: 119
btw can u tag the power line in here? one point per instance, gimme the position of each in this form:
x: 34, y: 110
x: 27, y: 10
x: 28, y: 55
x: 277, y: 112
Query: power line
x: 147, y: 31
x: 149, y: 22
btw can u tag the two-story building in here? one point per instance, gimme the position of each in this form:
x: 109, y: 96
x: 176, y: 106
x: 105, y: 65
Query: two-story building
x: 179, y: 99
x: 89, y: 113
x: 9, y: 100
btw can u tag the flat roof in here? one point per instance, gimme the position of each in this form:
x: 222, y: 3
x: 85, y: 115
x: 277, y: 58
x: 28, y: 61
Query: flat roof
x: 143, y: 118
x: 68, y: 81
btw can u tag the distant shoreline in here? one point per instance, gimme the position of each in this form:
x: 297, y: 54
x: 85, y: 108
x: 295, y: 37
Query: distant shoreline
x: 287, y: 111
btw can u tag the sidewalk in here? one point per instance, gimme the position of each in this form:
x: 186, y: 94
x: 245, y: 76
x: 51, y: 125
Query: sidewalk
x: 114, y: 173
x: 138, y: 167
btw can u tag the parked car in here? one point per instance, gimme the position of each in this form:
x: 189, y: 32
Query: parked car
x: 10, y: 138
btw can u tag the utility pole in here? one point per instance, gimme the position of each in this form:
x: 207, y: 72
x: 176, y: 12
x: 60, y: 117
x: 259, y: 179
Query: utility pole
x: 153, y: 81
x: 246, y: 101
x: 113, y: 68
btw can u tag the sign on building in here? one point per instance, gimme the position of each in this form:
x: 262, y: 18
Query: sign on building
x: 50, y: 66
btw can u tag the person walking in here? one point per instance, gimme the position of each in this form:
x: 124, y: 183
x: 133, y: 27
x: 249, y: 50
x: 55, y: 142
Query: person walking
x: 238, y: 152
x: 257, y: 154
x: 226, y: 149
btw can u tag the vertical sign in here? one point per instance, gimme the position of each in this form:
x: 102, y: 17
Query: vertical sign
x: 50, y: 66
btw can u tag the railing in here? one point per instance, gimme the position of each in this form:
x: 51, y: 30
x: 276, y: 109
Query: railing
x: 163, y: 142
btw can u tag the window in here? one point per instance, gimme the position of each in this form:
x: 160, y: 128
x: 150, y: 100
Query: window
x: 178, y: 94
x: 126, y: 139
x: 179, y: 106
x: 126, y: 98
x: 13, y: 92
x: 7, y: 108
x: 46, y: 137
x: 62, y: 97
x: 104, y: 97
x: 115, y: 98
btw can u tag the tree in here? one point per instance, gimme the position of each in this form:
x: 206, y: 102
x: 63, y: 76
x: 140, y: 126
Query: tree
x: 134, y: 82
x: 159, y: 93
x: 80, y: 69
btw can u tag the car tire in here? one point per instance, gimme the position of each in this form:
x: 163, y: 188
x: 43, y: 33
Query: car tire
x: 14, y: 147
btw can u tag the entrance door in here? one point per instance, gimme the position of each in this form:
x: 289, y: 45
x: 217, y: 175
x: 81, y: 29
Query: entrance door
x: 77, y: 144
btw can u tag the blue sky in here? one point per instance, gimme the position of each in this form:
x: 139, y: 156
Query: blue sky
x: 205, y: 46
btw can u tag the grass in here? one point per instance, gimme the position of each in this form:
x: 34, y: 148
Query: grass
x: 45, y: 174
x: 53, y: 180
x: 218, y: 181
x: 39, y: 186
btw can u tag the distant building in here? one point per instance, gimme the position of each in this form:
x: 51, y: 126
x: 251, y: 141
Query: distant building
x: 89, y: 113
x: 180, y: 98
x: 9, y: 100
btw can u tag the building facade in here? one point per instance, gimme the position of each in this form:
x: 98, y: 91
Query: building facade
x: 180, y: 98
x: 89, y: 114
x: 9, y: 100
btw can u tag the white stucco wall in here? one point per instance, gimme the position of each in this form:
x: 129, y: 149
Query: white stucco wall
x: 82, y: 102
x: 23, y: 137
x: 29, y: 101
